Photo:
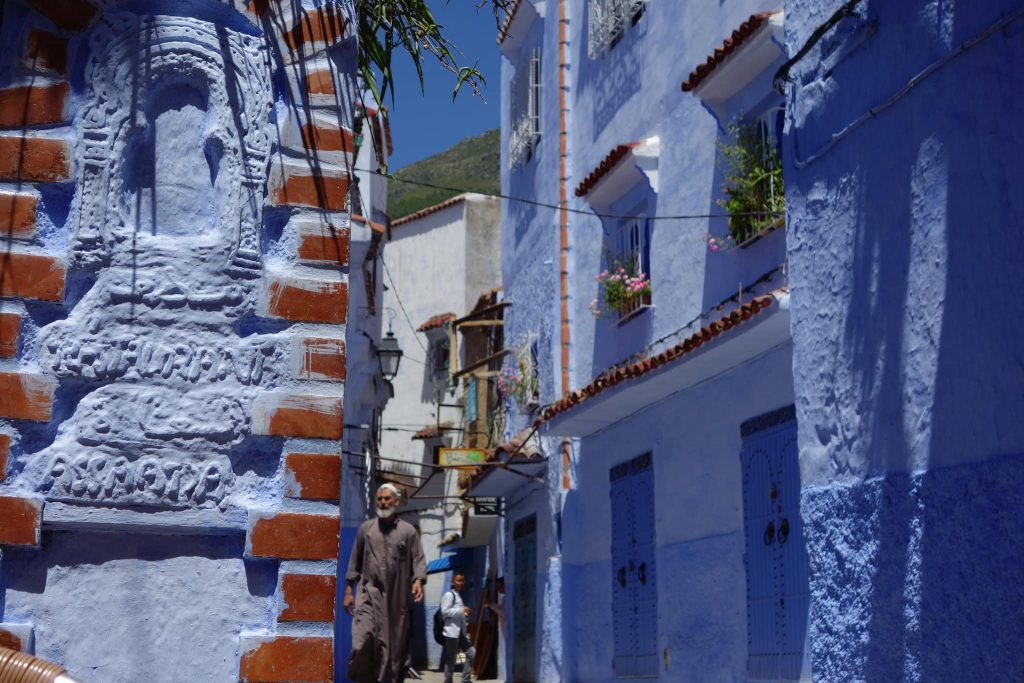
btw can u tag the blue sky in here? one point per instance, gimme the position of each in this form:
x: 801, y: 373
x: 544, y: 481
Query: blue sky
x: 424, y: 124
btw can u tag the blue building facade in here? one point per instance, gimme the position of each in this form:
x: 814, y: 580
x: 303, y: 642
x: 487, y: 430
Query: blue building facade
x: 792, y: 456
x: 653, y: 409
x: 905, y: 326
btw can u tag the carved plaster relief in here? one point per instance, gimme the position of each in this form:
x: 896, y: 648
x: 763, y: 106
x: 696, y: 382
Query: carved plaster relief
x: 174, y: 140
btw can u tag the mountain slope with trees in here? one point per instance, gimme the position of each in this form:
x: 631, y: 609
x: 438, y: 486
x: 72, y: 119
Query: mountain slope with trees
x: 470, y: 164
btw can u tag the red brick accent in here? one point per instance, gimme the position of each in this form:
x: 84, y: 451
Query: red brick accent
x: 322, y: 359
x: 17, y: 215
x: 5, y: 449
x: 324, y: 25
x: 31, y: 276
x: 324, y: 244
x: 298, y: 415
x: 327, y: 139
x: 294, y: 536
x: 291, y: 659
x: 322, y: 192
x: 33, y: 105
x: 308, y: 597
x: 10, y: 328
x: 312, y: 476
x: 314, y: 301
x: 25, y: 397
x: 11, y: 641
x: 320, y: 82
x: 258, y: 7
x: 69, y: 15
x: 34, y: 159
x: 20, y: 521
x: 45, y: 50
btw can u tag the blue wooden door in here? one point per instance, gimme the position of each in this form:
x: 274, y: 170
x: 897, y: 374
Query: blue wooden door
x: 524, y: 601
x: 634, y: 577
x: 623, y: 621
x: 776, y: 560
x: 644, y: 574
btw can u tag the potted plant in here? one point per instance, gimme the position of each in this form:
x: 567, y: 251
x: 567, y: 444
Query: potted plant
x: 754, y: 190
x: 622, y: 292
x: 518, y: 381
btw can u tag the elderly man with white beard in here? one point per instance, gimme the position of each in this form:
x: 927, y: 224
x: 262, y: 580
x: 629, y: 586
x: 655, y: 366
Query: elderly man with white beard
x: 388, y: 567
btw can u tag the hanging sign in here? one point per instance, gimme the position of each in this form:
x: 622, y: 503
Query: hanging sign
x: 461, y: 457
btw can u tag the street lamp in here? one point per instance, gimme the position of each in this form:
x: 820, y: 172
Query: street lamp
x: 389, y: 355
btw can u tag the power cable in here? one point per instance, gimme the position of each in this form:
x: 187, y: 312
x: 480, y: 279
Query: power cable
x: 415, y: 334
x: 523, y: 200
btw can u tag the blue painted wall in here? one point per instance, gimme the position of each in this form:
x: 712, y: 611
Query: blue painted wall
x: 905, y: 254
x: 630, y: 94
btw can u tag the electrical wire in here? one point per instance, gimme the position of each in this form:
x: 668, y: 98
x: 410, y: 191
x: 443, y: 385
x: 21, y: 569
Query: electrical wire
x: 415, y: 334
x: 586, y: 212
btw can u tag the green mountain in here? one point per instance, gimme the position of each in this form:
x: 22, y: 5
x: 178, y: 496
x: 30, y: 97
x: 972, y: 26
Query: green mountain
x: 470, y: 164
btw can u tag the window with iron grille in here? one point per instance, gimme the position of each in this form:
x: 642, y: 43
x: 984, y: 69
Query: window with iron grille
x: 754, y: 190
x: 525, y: 130
x: 440, y: 359
x: 609, y: 21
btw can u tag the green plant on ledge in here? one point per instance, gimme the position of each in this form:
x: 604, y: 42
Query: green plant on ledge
x: 754, y: 191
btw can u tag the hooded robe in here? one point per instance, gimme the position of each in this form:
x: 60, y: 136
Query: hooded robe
x: 386, y: 559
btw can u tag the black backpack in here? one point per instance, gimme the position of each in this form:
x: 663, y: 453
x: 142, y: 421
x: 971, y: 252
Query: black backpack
x: 439, y: 624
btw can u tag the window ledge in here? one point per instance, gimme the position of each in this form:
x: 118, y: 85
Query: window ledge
x: 764, y: 232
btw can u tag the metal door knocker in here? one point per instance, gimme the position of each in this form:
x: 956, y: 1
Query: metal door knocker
x: 769, y: 533
x: 641, y: 573
x: 622, y: 577
x: 783, y: 531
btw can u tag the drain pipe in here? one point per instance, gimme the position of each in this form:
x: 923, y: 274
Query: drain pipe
x: 18, y: 667
x: 563, y: 217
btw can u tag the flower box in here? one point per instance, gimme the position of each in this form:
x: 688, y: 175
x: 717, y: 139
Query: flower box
x: 633, y: 306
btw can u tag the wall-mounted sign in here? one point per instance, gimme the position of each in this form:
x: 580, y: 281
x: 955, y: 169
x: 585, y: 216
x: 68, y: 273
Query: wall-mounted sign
x: 487, y: 506
x: 464, y: 457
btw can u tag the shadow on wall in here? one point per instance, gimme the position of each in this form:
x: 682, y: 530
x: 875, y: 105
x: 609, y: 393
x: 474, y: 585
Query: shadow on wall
x: 612, y: 78
x: 74, y: 549
x: 929, y: 563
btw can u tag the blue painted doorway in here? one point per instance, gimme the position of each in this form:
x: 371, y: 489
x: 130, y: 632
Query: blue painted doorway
x: 634, y: 576
x: 524, y: 601
x: 778, y: 594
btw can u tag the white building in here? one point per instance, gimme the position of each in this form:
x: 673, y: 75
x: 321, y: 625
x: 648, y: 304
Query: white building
x: 438, y: 262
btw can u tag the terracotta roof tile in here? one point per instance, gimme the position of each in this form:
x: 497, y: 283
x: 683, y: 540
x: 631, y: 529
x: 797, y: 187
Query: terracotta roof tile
x: 738, y: 37
x: 432, y: 431
x: 610, y: 161
x: 513, y: 8
x: 615, y: 376
x: 429, y: 210
x: 435, y: 322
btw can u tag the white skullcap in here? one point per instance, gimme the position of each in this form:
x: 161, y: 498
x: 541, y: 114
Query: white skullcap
x: 392, y: 488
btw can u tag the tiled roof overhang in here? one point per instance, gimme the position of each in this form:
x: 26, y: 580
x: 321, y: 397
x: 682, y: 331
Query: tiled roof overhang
x: 610, y: 161
x: 422, y: 213
x: 623, y: 391
x: 512, y: 11
x: 738, y: 37
x: 435, y: 322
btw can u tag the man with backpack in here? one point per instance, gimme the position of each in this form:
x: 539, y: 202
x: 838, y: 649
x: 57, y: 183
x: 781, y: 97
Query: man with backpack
x: 454, y: 614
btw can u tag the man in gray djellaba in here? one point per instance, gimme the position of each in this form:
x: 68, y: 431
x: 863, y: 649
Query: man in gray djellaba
x: 388, y: 567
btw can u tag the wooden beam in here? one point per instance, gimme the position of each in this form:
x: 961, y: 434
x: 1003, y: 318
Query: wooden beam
x: 482, y: 362
x: 481, y: 323
x: 493, y: 308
